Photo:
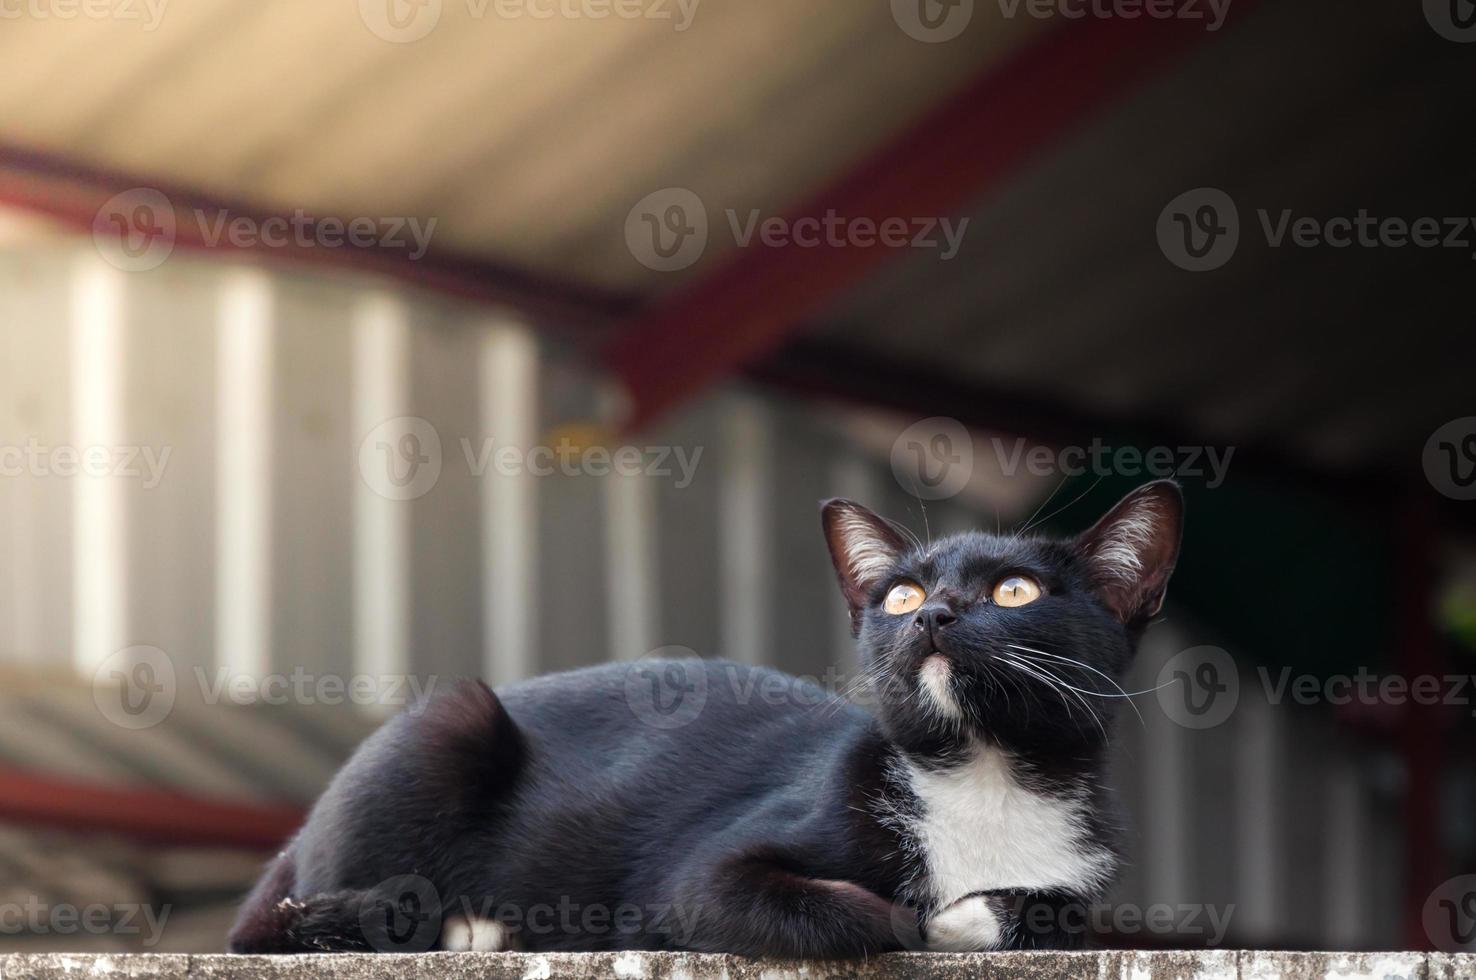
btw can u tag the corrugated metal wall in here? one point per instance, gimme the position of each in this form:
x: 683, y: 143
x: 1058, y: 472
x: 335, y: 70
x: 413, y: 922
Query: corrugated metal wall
x: 270, y: 542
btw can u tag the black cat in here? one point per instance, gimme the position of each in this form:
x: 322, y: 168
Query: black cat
x: 707, y: 806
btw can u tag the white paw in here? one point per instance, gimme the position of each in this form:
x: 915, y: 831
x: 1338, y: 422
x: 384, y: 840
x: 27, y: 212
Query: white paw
x: 462, y: 934
x: 966, y: 926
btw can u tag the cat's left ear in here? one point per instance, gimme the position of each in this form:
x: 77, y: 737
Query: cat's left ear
x: 1132, y: 551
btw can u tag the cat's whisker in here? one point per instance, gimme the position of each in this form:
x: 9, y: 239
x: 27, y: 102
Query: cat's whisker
x: 1125, y: 694
x: 1022, y: 528
x: 1122, y: 693
x: 908, y: 533
x: 1062, y: 509
x: 1076, y: 692
x: 1026, y: 694
x: 1047, y: 677
x: 988, y: 676
x: 1030, y: 672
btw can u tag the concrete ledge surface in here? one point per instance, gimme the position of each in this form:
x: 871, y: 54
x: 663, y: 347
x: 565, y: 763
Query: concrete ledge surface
x: 1210, y: 965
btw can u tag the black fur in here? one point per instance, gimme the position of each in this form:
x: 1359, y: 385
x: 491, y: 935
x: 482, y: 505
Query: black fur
x: 575, y: 812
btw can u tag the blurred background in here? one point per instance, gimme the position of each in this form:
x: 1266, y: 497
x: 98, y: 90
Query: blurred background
x: 346, y: 348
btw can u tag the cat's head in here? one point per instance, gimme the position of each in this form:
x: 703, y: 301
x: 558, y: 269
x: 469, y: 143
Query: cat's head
x: 1022, y: 641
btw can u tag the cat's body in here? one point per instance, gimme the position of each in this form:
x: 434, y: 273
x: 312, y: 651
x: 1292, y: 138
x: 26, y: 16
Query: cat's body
x: 709, y: 806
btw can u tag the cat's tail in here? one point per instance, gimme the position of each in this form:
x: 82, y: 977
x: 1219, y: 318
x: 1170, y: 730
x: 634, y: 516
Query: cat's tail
x: 348, y: 921
x: 269, y: 920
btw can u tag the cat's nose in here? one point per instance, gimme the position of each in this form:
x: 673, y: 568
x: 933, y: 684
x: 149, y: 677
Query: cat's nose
x: 930, y: 619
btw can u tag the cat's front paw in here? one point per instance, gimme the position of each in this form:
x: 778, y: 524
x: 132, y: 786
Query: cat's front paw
x: 464, y: 934
x: 970, y: 925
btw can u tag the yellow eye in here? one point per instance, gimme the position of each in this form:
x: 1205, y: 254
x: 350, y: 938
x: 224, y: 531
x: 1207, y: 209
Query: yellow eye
x: 904, y: 598
x: 1017, y: 590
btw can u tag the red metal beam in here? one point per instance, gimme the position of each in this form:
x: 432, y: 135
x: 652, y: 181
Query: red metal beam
x: 973, y: 143
x: 71, y: 193
x: 143, y: 814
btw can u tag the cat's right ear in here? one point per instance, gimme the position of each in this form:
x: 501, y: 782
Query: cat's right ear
x: 863, y: 548
x: 1132, y: 551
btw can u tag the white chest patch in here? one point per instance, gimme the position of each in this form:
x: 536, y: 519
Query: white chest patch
x: 981, y: 829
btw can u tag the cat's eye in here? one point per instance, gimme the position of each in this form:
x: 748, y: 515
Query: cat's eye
x: 904, y: 598
x: 1017, y: 590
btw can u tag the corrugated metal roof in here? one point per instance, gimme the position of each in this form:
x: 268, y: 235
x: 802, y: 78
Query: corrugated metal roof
x: 529, y: 139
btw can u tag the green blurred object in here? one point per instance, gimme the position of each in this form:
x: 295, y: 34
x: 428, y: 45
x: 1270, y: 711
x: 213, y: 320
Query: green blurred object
x: 1458, y: 613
